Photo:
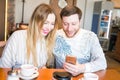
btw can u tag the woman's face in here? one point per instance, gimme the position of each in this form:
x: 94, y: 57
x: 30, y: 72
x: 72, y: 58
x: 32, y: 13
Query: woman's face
x: 48, y: 24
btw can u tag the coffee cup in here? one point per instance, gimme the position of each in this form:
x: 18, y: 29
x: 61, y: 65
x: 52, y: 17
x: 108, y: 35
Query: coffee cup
x: 28, y: 70
x: 90, y: 76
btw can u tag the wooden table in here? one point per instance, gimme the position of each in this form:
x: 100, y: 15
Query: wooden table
x: 46, y: 74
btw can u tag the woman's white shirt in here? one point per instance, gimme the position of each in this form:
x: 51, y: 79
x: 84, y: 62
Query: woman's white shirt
x: 14, y: 53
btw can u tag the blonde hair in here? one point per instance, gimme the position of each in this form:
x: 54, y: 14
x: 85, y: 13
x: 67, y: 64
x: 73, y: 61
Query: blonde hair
x: 33, y: 32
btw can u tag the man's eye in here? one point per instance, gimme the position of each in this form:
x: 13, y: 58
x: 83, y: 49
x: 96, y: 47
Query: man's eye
x: 73, y: 24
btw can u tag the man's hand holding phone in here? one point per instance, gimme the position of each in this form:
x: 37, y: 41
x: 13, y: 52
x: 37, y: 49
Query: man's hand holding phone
x: 72, y: 66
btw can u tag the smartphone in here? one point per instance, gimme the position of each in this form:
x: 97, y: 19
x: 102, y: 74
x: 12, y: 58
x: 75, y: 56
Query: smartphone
x: 61, y: 75
x: 71, y: 59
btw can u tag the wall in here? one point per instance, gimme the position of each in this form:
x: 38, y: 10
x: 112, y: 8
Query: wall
x: 81, y: 5
x: 10, y: 16
x: 29, y: 6
x: 87, y: 8
x: 2, y: 18
x: 88, y: 14
x: 85, y: 5
x: 5, y: 29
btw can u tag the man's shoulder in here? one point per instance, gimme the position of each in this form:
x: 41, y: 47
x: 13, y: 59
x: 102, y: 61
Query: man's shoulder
x: 88, y: 32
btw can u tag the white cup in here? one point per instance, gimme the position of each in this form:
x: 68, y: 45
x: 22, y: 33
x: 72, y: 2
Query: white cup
x: 28, y: 70
x: 90, y: 76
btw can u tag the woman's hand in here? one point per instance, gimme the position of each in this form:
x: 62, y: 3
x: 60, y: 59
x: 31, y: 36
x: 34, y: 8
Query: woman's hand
x: 74, y: 69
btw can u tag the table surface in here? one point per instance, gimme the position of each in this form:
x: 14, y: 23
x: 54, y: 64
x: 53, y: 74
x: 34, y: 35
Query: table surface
x: 46, y: 74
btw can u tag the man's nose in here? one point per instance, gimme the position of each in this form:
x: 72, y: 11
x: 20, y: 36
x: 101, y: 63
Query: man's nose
x: 69, y: 28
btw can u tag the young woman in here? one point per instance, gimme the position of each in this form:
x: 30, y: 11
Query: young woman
x: 34, y: 45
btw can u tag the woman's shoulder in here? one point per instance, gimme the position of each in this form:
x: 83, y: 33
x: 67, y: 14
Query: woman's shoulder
x: 19, y: 33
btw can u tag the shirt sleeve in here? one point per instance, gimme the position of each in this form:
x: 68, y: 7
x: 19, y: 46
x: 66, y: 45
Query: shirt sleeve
x: 7, y: 59
x: 98, y: 61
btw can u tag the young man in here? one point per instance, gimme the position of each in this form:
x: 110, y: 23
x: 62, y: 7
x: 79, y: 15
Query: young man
x: 75, y: 41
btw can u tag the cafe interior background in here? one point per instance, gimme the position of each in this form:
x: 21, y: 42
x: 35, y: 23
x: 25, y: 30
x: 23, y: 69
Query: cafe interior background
x: 100, y: 16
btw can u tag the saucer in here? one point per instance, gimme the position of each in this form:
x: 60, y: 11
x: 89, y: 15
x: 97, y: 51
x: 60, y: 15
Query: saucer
x: 90, y: 76
x: 84, y: 79
x: 28, y: 77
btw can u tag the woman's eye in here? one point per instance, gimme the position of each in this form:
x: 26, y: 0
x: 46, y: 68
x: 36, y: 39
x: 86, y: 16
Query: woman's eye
x: 53, y: 23
x: 45, y: 23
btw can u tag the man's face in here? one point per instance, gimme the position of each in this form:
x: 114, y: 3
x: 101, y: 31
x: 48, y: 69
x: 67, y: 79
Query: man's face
x: 71, y: 25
